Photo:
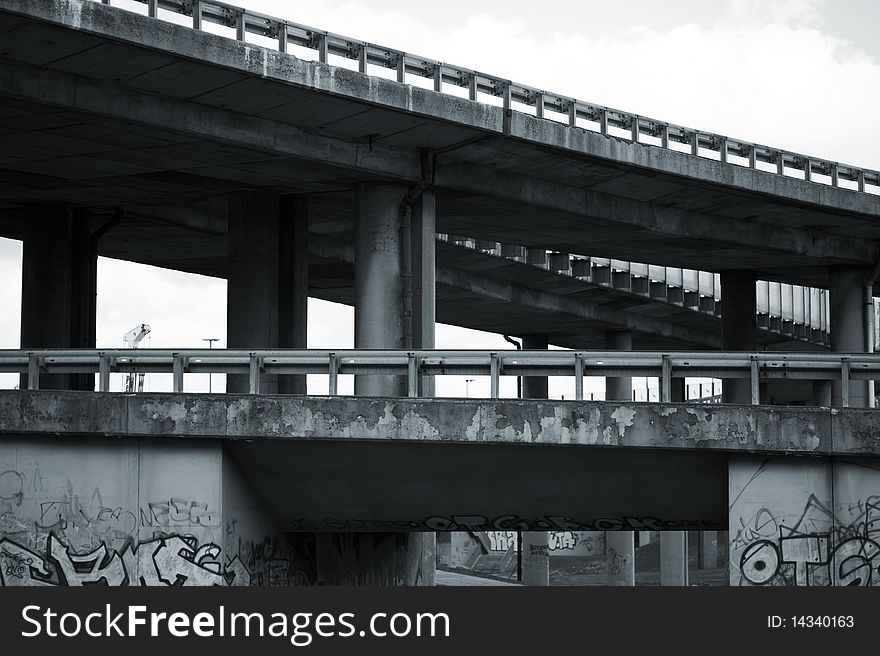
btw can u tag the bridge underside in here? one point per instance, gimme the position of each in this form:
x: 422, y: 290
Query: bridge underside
x: 98, y: 136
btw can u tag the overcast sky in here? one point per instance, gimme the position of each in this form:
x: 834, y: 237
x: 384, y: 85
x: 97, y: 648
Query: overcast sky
x: 799, y: 74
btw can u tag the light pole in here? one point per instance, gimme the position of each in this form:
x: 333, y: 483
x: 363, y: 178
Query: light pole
x: 210, y: 341
x: 467, y: 391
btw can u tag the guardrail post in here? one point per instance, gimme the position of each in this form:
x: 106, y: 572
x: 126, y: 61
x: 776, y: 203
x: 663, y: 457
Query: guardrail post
x: 753, y: 157
x: 438, y: 78
x: 282, y: 36
x: 401, y: 67
x: 722, y: 149
x: 240, y: 26
x: 844, y: 382
x: 34, y: 365
x: 104, y: 373
x: 494, y: 375
x: 666, y: 379
x: 603, y: 121
x: 254, y: 369
x: 472, y: 86
x: 539, y: 105
x: 860, y: 180
x: 579, y: 376
x: 177, y: 373
x: 333, y: 366
x: 695, y: 143
x: 572, y: 113
x: 808, y: 169
x: 754, y: 381
x: 197, y: 14
x: 322, y: 49
x: 412, y: 375
x: 152, y: 8
x: 664, y: 136
x: 835, y: 176
x: 362, y: 58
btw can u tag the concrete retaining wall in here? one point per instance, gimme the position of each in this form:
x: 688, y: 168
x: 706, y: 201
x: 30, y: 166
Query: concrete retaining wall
x: 86, y: 511
x: 804, y: 521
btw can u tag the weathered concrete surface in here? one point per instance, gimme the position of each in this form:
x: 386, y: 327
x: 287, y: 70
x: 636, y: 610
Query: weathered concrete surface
x: 770, y: 429
x: 86, y: 511
x: 804, y: 522
x: 253, y: 116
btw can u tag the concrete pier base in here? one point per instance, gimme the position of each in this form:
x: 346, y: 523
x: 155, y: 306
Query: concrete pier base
x: 848, y: 327
x: 58, y: 288
x: 738, y: 327
x: 252, y: 289
x: 673, y: 558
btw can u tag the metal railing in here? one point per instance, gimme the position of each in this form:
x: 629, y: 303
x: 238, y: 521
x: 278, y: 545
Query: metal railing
x: 545, y: 104
x: 793, y: 310
x: 413, y: 364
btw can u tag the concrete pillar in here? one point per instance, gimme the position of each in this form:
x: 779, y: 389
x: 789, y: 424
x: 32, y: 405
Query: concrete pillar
x: 386, y: 558
x: 293, y: 285
x: 535, y: 554
x: 738, y: 327
x: 424, y: 278
x: 253, y: 275
x: 378, y: 318
x: 620, y: 545
x: 822, y: 392
x: 679, y: 390
x: 618, y: 389
x: 708, y: 549
x: 848, y: 326
x: 534, y: 387
x: 58, y: 287
x: 673, y: 558
x: 534, y: 547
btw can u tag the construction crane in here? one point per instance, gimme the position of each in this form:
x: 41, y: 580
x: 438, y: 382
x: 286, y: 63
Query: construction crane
x: 132, y: 338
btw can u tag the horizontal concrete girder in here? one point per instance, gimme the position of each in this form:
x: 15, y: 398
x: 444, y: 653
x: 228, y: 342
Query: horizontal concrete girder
x: 595, y: 424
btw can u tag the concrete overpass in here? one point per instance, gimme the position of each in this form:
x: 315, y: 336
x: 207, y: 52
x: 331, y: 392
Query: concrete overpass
x: 122, y: 135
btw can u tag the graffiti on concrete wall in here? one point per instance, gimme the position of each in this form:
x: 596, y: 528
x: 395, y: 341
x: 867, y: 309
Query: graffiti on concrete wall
x: 173, y: 560
x: 776, y: 552
x: 804, y: 523
x: 559, y: 543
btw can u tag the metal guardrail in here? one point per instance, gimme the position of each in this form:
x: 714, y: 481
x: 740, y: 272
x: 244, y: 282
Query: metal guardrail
x: 791, y: 310
x: 413, y: 364
x: 545, y: 104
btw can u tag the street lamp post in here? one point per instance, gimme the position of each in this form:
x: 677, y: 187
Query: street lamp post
x: 210, y: 341
x: 467, y: 391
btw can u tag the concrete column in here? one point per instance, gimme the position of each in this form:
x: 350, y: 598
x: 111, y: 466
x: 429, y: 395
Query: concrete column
x: 618, y: 389
x: 386, y: 558
x: 679, y: 390
x: 709, y: 549
x: 738, y: 327
x: 535, y: 551
x: 620, y: 545
x: 822, y: 392
x: 252, y: 289
x: 534, y: 387
x: 424, y: 278
x: 378, y: 318
x: 293, y: 285
x: 848, y: 326
x: 58, y: 288
x: 673, y: 558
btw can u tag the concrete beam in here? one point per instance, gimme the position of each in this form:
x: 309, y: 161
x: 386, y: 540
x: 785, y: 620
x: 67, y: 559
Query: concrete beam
x: 654, y: 218
x: 83, y: 94
x: 752, y: 429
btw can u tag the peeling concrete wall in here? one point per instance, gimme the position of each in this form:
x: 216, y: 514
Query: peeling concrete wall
x: 84, y: 511
x: 652, y: 425
x: 804, y: 522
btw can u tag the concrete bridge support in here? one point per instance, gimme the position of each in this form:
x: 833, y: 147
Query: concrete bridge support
x: 58, y: 287
x: 253, y: 279
x: 848, y: 326
x: 293, y: 292
x: 738, y: 328
x: 534, y: 545
x: 394, y: 558
x: 673, y: 558
x: 620, y: 545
